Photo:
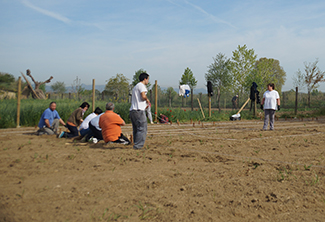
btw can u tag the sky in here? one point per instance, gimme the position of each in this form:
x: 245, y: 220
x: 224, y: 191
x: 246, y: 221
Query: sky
x: 97, y: 39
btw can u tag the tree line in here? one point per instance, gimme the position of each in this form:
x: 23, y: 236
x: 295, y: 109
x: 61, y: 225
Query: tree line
x: 233, y: 75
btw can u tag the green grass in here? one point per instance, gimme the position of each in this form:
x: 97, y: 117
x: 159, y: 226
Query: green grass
x: 31, y: 111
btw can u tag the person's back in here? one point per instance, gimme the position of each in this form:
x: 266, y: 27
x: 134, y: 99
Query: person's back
x: 110, y: 124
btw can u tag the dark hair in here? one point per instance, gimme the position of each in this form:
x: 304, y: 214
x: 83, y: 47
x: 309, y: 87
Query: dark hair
x: 143, y: 76
x: 85, y: 104
x: 271, y: 85
x: 52, y: 103
x: 98, y: 110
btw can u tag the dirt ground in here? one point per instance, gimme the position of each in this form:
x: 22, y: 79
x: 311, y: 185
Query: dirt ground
x: 222, y: 171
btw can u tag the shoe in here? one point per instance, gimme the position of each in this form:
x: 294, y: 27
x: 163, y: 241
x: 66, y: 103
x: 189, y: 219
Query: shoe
x: 61, y: 135
x: 152, y: 123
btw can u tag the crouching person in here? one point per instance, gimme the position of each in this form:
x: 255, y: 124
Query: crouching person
x: 111, y: 123
x: 50, y: 121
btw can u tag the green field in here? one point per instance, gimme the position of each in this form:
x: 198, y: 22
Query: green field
x: 31, y: 111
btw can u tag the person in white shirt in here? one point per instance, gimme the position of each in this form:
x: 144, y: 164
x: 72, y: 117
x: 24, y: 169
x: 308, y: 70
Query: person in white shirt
x: 95, y: 129
x: 137, y: 111
x: 270, y: 103
x: 84, y: 126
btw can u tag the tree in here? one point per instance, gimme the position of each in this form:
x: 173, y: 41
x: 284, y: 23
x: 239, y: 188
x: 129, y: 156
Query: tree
x: 170, y: 92
x: 189, y: 79
x: 77, y: 87
x: 58, y: 87
x: 7, y: 82
x: 243, y: 62
x: 219, y: 74
x: 267, y: 71
x: 118, y: 87
x: 312, y: 76
x: 136, y: 78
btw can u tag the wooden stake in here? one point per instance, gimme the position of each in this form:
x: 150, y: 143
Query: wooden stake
x: 156, y: 101
x: 18, y: 102
x: 201, y: 108
x: 193, y: 124
x: 94, y: 95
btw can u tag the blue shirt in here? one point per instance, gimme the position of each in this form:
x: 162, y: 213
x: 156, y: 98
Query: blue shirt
x: 50, y: 115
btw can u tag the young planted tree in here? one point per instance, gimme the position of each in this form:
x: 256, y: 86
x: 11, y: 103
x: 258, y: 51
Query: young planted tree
x: 118, y: 87
x: 219, y: 73
x: 243, y: 62
x: 266, y: 71
x: 170, y: 93
x: 189, y: 79
x: 58, y: 87
x: 311, y: 78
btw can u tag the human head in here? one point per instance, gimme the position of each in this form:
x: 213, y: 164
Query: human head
x: 270, y: 86
x: 110, y: 106
x: 98, y: 111
x: 53, y: 106
x: 236, y: 95
x: 85, y: 106
x: 144, y: 77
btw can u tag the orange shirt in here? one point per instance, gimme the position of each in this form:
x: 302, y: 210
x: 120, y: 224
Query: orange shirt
x: 110, y: 123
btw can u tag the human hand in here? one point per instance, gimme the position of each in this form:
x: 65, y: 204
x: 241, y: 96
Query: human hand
x: 262, y: 106
x: 278, y: 107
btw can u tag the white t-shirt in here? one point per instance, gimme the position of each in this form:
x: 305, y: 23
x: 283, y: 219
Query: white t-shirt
x: 137, y: 102
x: 95, y: 121
x: 85, y: 123
x: 270, y: 101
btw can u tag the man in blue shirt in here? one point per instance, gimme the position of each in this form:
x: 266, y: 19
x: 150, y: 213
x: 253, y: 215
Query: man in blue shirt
x: 49, y: 121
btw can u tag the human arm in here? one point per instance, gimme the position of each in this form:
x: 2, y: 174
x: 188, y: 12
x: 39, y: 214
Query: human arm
x: 62, y: 122
x: 47, y: 123
x: 144, y: 97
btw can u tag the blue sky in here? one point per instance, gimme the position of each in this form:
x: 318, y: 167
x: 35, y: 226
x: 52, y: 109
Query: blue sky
x: 96, y: 39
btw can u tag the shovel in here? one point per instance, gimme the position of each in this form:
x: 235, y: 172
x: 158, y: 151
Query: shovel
x: 237, y: 115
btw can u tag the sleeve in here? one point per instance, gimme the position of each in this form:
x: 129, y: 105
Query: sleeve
x: 142, y: 88
x: 56, y: 115
x: 277, y: 95
x: 79, y: 115
x: 47, y: 114
x: 118, y: 119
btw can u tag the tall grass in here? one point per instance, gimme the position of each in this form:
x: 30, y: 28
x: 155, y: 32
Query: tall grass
x: 31, y: 111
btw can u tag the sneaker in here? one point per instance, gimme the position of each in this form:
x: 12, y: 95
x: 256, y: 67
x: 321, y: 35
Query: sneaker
x: 94, y: 140
x: 151, y: 122
x: 61, y: 135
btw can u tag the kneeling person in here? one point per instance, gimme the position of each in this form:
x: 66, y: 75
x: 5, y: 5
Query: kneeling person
x: 111, y: 123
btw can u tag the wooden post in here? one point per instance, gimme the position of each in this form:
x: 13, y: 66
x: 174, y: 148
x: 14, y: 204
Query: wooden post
x: 296, y: 105
x: 209, y: 105
x: 255, y: 108
x: 156, y: 101
x: 201, y: 108
x: 18, y: 102
x: 94, y: 95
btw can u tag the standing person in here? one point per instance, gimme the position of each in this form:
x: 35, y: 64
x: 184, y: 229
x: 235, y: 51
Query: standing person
x: 49, y: 121
x: 111, y: 123
x: 74, y: 121
x: 137, y: 111
x: 234, y: 102
x: 271, y: 102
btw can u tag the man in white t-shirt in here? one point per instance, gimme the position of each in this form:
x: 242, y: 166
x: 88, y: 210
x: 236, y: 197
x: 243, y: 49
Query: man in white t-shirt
x: 270, y: 103
x: 137, y: 111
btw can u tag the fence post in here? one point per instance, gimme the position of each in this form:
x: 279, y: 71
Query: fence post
x: 18, y: 102
x: 296, y: 105
x: 93, y: 95
x: 209, y: 105
x: 156, y: 101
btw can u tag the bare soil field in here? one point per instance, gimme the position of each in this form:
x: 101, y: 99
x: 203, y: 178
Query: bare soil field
x: 223, y: 171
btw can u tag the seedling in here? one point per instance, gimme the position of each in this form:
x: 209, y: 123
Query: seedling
x: 307, y: 168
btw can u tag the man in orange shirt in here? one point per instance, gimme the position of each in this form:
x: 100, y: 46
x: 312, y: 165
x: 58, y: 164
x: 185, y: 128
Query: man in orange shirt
x: 111, y: 123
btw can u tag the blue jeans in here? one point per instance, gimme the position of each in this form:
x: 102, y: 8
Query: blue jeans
x: 139, y: 125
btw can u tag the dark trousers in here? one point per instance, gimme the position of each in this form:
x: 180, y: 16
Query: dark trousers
x: 96, y: 133
x: 122, y: 140
x: 73, y: 131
